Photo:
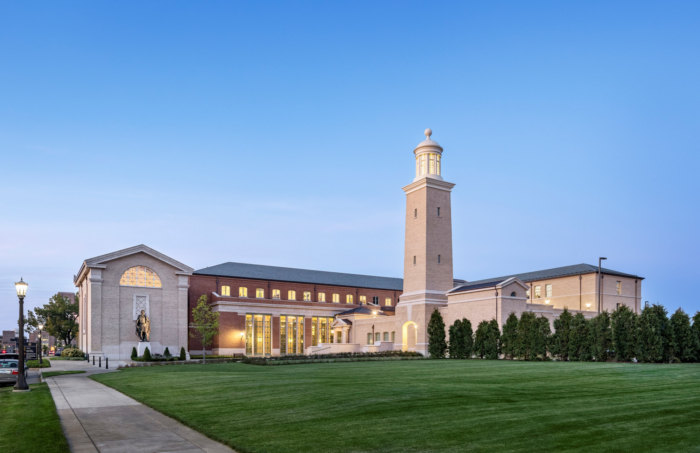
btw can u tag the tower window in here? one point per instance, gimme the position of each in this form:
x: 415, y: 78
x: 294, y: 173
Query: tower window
x: 438, y: 211
x: 414, y: 260
x: 415, y: 213
x: 438, y: 259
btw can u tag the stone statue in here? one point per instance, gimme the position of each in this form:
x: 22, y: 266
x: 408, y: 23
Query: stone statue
x: 143, y: 327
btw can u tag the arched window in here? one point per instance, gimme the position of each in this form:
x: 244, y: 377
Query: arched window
x: 513, y: 294
x: 140, y: 276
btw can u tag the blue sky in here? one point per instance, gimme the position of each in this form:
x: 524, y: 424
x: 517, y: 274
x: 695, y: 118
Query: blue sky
x: 282, y: 133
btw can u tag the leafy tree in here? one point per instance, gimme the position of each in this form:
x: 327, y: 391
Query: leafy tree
x: 579, y: 348
x: 600, y: 337
x: 543, y: 338
x: 653, y: 335
x: 480, y: 339
x: 206, y: 323
x: 60, y: 317
x: 510, y: 336
x: 457, y: 340
x: 486, y: 342
x: 437, y: 346
x: 696, y: 335
x: 527, y: 336
x: 562, y: 333
x: 468, y: 338
x: 682, y: 344
x: 624, y: 323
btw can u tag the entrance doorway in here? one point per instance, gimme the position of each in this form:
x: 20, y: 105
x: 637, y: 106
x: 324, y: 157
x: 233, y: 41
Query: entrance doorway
x: 410, y: 333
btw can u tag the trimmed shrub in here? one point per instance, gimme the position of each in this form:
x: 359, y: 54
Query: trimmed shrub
x: 437, y: 346
x: 653, y: 335
x: 147, y: 355
x: 600, y: 337
x: 623, y: 333
x: 468, y: 338
x: 510, y: 336
x: 72, y: 352
x: 579, y: 347
x: 562, y: 335
x: 134, y: 354
x: 45, y: 363
x: 696, y: 335
x: 166, y: 353
x: 183, y: 356
x: 682, y: 342
x: 456, y: 346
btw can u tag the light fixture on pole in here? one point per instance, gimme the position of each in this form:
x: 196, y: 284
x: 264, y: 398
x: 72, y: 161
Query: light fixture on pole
x: 21, y: 385
x: 41, y: 345
x: 600, y: 284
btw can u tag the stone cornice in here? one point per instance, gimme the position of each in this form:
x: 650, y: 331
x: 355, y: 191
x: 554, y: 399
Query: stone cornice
x: 428, y: 182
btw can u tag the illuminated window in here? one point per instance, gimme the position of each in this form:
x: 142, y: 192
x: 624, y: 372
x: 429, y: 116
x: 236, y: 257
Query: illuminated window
x: 423, y: 164
x: 369, y: 338
x: 431, y: 163
x: 260, y: 293
x: 348, y: 299
x: 437, y: 164
x: 140, y: 276
x: 386, y: 336
x: 538, y: 291
x: 618, y: 287
x: 291, y: 295
x: 548, y: 290
x: 387, y: 301
x: 363, y: 300
x: 225, y: 290
x: 291, y: 335
x: 336, y: 297
x: 321, y: 330
x: 375, y: 300
x: 276, y: 294
x: 258, y: 329
x: 307, y: 296
x: 242, y: 291
x: 321, y: 297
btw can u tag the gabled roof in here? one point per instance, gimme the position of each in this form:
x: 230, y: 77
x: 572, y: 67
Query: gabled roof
x: 99, y: 261
x: 362, y: 310
x: 289, y: 274
x: 546, y: 274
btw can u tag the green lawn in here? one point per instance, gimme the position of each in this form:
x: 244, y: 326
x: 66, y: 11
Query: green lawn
x: 48, y: 374
x: 29, y: 422
x: 427, y: 405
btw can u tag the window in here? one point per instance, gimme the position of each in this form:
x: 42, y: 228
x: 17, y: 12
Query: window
x: 393, y: 336
x: 414, y: 260
x: 527, y: 293
x: 618, y: 287
x: 363, y: 300
x: 548, y: 291
x: 438, y: 259
x: 369, y: 337
x: 291, y: 335
x: 348, y: 299
x: 438, y: 209
x: 538, y: 291
x: 386, y: 336
x: 291, y: 295
x: 258, y: 334
x: 415, y: 213
x: 225, y: 290
x: 321, y: 330
x: 437, y: 164
x: 321, y: 297
x: 242, y: 291
x: 140, y: 276
x: 431, y: 160
x: 260, y: 293
x: 375, y: 300
x: 513, y: 294
x: 336, y: 298
x: 387, y: 301
x: 377, y: 336
x: 307, y: 296
x: 276, y: 294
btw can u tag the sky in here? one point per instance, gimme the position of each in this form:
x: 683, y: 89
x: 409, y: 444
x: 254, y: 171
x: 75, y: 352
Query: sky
x: 281, y: 133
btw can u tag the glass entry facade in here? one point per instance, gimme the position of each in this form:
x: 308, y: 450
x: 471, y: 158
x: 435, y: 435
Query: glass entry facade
x: 320, y: 330
x: 258, y: 335
x: 291, y: 335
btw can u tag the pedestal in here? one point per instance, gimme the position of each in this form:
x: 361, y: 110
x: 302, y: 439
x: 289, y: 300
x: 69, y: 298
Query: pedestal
x: 142, y: 347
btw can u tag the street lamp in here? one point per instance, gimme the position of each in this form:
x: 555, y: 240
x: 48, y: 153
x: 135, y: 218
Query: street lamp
x: 374, y: 316
x: 600, y: 284
x: 21, y: 384
x: 41, y: 345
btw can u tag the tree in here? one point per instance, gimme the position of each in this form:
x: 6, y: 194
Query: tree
x: 147, y: 355
x: 468, y: 338
x: 601, y: 337
x: 562, y: 333
x: 696, y: 335
x: 134, y: 354
x: 579, y: 348
x: 60, y: 317
x: 527, y: 336
x: 510, y: 336
x: 206, y: 323
x: 437, y: 346
x: 623, y: 333
x: 493, y: 336
x: 682, y: 344
x: 183, y: 356
x: 653, y: 335
x: 480, y: 338
x: 457, y: 340
x: 544, y: 333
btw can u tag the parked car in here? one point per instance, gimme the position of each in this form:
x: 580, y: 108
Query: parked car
x: 58, y: 352
x: 9, y: 370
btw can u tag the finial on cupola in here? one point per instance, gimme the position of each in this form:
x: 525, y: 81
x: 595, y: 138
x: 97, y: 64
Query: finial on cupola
x: 428, y: 132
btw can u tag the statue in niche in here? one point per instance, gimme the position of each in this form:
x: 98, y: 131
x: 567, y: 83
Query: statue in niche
x: 143, y: 327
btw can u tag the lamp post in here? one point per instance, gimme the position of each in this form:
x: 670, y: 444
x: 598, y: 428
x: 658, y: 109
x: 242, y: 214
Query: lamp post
x: 600, y: 284
x: 21, y: 384
x: 41, y: 345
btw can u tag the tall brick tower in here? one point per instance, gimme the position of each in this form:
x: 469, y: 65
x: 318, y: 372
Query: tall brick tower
x: 427, y: 274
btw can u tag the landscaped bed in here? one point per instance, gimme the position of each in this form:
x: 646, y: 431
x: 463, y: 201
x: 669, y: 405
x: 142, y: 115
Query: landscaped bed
x: 429, y: 405
x: 29, y: 422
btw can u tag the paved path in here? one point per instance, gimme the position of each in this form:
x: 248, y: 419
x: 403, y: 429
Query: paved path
x: 98, y: 418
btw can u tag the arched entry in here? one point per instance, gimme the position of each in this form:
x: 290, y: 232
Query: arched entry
x: 410, y: 332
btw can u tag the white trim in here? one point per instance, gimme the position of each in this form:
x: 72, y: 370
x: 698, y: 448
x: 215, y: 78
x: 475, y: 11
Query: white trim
x: 428, y: 182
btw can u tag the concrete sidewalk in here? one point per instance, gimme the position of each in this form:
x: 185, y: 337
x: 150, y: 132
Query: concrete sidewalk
x: 97, y: 418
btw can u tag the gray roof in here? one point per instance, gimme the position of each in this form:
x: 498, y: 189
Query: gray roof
x: 565, y: 271
x: 288, y: 274
x: 362, y: 310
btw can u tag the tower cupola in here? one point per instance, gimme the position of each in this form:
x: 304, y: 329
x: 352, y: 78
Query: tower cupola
x: 428, y: 154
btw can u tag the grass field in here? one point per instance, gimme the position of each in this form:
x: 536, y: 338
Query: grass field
x: 445, y: 405
x: 48, y: 374
x: 29, y: 422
